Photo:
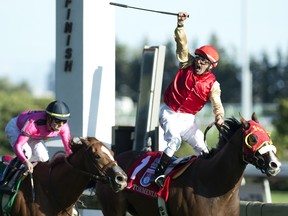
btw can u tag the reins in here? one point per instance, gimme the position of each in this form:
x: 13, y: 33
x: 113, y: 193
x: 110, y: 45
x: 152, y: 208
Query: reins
x: 207, y: 129
x: 219, y: 129
x: 96, y: 177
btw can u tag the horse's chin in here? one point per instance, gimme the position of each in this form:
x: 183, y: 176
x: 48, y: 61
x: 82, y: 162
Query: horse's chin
x: 117, y: 187
x: 272, y: 172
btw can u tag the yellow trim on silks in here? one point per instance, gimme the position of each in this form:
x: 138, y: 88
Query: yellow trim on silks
x: 183, y: 169
x: 58, y: 115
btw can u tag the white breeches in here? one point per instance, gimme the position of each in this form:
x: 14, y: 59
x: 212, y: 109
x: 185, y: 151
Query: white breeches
x: 34, y: 150
x: 178, y: 127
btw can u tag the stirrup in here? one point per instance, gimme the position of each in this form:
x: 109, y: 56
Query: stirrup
x: 159, y: 180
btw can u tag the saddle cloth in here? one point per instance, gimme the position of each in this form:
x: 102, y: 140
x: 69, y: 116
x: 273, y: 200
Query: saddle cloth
x: 141, y: 175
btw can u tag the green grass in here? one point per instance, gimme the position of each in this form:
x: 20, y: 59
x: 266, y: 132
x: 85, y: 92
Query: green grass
x: 279, y: 196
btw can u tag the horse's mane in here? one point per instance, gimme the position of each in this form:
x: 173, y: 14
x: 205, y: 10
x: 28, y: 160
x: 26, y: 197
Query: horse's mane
x: 231, y: 125
x: 76, y: 143
x: 74, y: 146
x: 57, y: 160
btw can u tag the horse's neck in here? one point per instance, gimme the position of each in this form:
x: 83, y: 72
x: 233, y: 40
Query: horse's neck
x: 224, y: 170
x: 67, y: 182
x: 229, y: 160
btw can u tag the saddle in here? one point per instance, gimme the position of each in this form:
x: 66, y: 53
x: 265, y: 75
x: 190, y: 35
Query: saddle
x: 12, y: 174
x: 142, y: 179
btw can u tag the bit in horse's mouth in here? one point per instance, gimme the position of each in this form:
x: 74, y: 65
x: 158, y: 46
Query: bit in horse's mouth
x: 273, y: 172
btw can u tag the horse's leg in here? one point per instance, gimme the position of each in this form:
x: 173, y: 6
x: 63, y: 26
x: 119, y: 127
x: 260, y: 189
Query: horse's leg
x: 19, y: 206
x: 112, y: 204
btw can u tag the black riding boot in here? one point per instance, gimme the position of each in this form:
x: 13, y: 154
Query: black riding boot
x: 159, y: 172
x: 11, y: 175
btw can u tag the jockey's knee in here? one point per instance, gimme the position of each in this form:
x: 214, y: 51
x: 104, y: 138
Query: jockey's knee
x: 43, y: 158
x: 41, y: 152
x: 172, y: 146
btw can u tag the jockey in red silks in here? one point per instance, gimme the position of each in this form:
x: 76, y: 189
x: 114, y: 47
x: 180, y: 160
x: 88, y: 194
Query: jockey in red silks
x: 27, y: 134
x: 192, y: 87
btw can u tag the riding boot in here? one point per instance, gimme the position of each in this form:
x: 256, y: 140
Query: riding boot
x: 159, y: 172
x: 10, y: 176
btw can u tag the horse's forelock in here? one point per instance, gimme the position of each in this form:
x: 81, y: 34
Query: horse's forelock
x: 76, y: 145
x: 231, y: 125
x: 92, y: 139
x: 83, y: 142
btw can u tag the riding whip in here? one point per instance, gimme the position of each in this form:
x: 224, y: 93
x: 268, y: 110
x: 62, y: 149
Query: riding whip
x: 9, y: 165
x: 144, y: 9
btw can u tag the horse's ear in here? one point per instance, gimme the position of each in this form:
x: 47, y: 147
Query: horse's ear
x: 254, y: 117
x: 245, y: 123
x: 76, y: 140
x: 83, y: 141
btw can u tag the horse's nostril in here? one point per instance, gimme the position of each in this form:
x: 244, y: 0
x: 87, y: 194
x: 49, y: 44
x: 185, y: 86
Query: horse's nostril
x: 273, y: 164
x: 119, y: 178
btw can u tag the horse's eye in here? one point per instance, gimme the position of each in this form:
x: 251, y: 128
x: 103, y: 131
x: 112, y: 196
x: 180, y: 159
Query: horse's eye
x: 96, y: 156
x: 252, y: 139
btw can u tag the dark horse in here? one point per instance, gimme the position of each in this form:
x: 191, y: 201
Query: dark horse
x: 209, y: 186
x: 59, y: 183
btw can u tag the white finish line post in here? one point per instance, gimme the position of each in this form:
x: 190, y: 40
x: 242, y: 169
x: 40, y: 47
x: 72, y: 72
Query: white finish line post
x: 85, y: 65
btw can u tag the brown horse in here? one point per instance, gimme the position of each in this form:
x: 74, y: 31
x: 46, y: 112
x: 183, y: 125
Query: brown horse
x: 209, y: 186
x: 59, y: 184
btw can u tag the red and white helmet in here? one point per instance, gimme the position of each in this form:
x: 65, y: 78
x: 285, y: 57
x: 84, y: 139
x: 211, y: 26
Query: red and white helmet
x: 210, y: 53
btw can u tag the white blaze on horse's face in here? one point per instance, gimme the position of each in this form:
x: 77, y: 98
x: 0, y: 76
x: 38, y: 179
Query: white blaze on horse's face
x: 106, y: 151
x: 267, y: 148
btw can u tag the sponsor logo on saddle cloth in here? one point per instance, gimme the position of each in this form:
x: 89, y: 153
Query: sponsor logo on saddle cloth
x: 141, y: 174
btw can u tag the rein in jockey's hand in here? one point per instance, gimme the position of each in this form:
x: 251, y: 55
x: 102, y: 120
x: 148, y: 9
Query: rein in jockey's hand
x: 219, y: 120
x: 29, y: 166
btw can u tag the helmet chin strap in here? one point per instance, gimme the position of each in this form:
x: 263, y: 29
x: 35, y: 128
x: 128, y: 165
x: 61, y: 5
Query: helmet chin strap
x: 49, y: 121
x: 209, y: 68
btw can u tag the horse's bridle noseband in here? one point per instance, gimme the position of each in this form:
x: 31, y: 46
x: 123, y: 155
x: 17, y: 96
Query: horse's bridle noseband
x: 103, y: 171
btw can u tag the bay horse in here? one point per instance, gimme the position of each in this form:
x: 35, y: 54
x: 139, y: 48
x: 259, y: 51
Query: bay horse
x: 209, y: 186
x: 59, y: 184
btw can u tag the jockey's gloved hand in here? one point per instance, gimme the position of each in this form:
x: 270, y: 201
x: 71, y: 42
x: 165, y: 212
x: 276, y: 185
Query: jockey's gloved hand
x: 29, y: 166
x: 219, y: 120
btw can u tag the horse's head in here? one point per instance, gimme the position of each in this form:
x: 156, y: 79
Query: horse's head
x: 258, y: 148
x: 101, y: 163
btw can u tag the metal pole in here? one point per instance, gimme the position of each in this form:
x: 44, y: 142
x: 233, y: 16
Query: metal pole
x: 246, y: 79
